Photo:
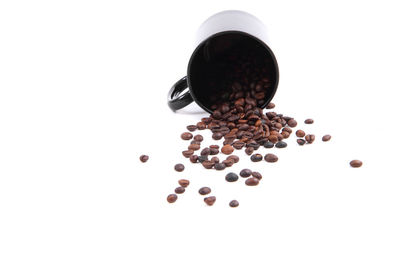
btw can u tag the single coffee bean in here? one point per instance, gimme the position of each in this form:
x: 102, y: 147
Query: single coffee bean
x: 256, y: 157
x: 205, y: 152
x: 271, y: 158
x: 179, y: 167
x: 180, y: 190
x: 186, y: 136
x: 194, y: 158
x: 210, y: 200
x: 310, y: 138
x: 194, y: 147
x: 257, y: 175
x: 214, y: 146
x: 203, y: 158
x: 201, y: 125
x: 184, y: 182
x: 356, y: 163
x: 287, y: 129
x: 204, y: 191
x: 172, y: 198
x: 227, y: 149
x: 273, y: 138
x: 214, y: 151
x: 309, y: 121
x: 245, y: 173
x: 270, y: 105
x: 194, y: 142
x: 301, y: 141
x: 268, y: 144
x: 292, y: 123
x: 252, y: 181
x: 215, y: 159
x: 234, y: 158
x: 144, y: 158
x: 300, y: 133
x: 198, y: 137
x: 231, y: 177
x: 228, y: 162
x: 191, y: 128
x: 249, y: 150
x: 219, y: 166
x: 234, y: 203
x: 206, y: 120
x: 280, y: 144
x: 285, y: 134
x: 238, y: 145
x: 187, y: 153
x: 217, y: 136
x: 326, y: 138
x: 208, y: 164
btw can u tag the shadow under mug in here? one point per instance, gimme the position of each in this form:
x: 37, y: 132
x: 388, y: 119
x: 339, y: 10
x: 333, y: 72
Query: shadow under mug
x: 220, y: 35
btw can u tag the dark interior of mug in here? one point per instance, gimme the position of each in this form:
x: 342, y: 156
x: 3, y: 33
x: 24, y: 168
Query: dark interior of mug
x: 232, y: 59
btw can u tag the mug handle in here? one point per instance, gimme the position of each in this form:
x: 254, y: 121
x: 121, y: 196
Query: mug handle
x: 175, y: 99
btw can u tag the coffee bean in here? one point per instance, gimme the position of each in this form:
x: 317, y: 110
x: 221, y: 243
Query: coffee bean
x: 217, y: 136
x: 219, y: 166
x: 300, y: 133
x: 191, y: 128
x: 286, y: 129
x: 234, y: 158
x: 271, y: 158
x: 256, y: 157
x: 301, y: 141
x: 194, y: 142
x: 252, y: 181
x: 268, y: 144
x: 194, y: 147
x: 245, y: 173
x: 356, y: 163
x: 210, y: 200
x: 309, y: 121
x: 228, y: 162
x: 187, y: 153
x: 179, y: 167
x: 203, y: 158
x: 208, y: 164
x: 214, y: 147
x: 249, y: 150
x: 310, y: 138
x: 238, y: 145
x: 292, y: 123
x: 198, y: 137
x: 172, y: 198
x: 206, y: 120
x: 186, y: 136
x: 257, y: 175
x: 227, y: 149
x: 273, y: 138
x: 215, y: 159
x: 194, y: 158
x: 285, y: 134
x: 144, y: 158
x: 205, y: 152
x: 180, y: 190
x: 201, y: 125
x: 326, y: 138
x: 184, y: 182
x: 234, y: 204
x: 204, y: 191
x: 231, y: 177
x: 280, y: 144
x: 214, y: 151
x: 270, y: 105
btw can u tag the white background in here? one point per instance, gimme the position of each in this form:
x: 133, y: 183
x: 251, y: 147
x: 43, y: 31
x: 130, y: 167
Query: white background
x: 83, y: 89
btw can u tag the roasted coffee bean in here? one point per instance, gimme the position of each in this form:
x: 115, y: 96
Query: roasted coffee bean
x: 180, y: 190
x: 234, y: 158
x: 210, y: 200
x: 301, y: 141
x: 287, y: 129
x: 310, y: 138
x: 256, y: 157
x: 187, y: 153
x: 268, y: 144
x: 234, y: 204
x: 217, y: 136
x: 252, y: 181
x: 217, y: 114
x: 326, y: 138
x: 198, y: 137
x: 214, y: 151
x: 249, y: 150
x: 208, y: 164
x: 227, y: 149
x: 292, y: 123
x: 285, y: 134
x: 309, y: 121
x: 206, y: 120
x: 184, y: 182
x: 201, y: 125
x: 219, y: 166
x: 144, y: 158
x: 205, y: 152
x: 245, y: 173
x: 191, y: 128
x: 179, y: 167
x: 273, y: 138
x: 257, y: 175
x: 194, y: 147
x: 271, y: 157
x: 172, y: 198
x: 194, y: 158
x: 280, y: 144
x: 231, y: 177
x: 356, y: 163
x: 204, y: 191
x: 215, y: 159
x: 300, y: 133
x: 238, y: 145
x: 195, y: 142
x: 203, y: 158
x: 214, y: 146
x: 186, y: 136
x: 270, y: 105
x: 228, y: 162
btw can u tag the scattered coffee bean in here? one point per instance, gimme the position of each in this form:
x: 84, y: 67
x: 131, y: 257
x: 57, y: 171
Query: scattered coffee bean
x: 301, y: 141
x: 191, y: 128
x: 217, y: 136
x: 208, y: 164
x: 228, y: 163
x: 210, y: 200
x: 257, y: 175
x: 270, y: 105
x: 172, y: 198
x: 144, y: 158
x: 179, y: 167
x: 231, y: 177
x: 271, y: 158
x: 187, y: 153
x: 201, y: 125
x: 234, y: 203
x: 184, y: 182
x: 204, y: 191
x: 234, y: 158
x: 180, y: 190
x: 249, y: 150
x: 194, y: 142
x: 198, y: 137
x: 268, y: 144
x: 326, y: 138
x: 252, y: 181
x: 194, y: 158
x: 214, y: 151
x: 205, y: 152
x: 214, y: 147
x: 227, y: 149
x: 215, y: 159
x: 309, y: 121
x: 256, y: 157
x: 203, y: 158
x: 280, y: 144
x: 245, y: 173
x: 292, y: 123
x: 310, y: 138
x: 186, y: 136
x: 356, y: 163
x: 219, y: 166
x: 194, y: 147
x: 300, y: 133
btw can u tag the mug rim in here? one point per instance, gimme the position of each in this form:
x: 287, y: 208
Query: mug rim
x: 245, y: 34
